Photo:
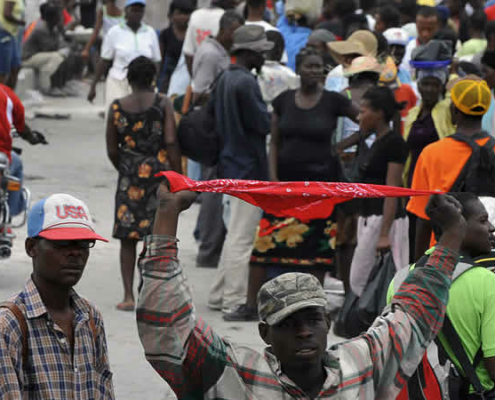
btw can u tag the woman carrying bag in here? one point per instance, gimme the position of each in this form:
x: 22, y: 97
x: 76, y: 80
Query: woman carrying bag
x: 382, y: 223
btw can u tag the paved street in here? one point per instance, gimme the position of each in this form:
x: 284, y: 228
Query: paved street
x: 75, y: 162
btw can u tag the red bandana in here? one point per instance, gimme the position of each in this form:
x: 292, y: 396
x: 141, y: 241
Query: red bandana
x: 302, y: 200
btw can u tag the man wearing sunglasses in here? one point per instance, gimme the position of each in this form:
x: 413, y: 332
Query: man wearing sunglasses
x: 52, y: 341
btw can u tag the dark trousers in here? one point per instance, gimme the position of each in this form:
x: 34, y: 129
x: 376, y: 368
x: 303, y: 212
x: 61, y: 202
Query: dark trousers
x: 210, y: 223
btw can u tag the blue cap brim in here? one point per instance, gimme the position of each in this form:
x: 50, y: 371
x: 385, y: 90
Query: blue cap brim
x: 430, y: 64
x: 129, y: 3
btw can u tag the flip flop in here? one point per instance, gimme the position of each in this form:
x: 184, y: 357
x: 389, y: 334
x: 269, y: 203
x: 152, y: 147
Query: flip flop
x: 125, y: 306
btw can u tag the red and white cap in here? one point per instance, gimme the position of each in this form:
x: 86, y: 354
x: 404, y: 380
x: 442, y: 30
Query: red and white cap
x: 62, y: 217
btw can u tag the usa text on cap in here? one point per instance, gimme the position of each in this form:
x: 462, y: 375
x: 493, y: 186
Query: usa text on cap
x: 61, y: 217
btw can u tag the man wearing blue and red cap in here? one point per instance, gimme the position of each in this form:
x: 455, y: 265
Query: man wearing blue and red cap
x: 52, y: 341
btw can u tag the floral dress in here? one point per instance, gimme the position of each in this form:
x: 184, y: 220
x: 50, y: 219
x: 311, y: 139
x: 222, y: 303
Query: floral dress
x: 142, y: 153
x: 294, y: 244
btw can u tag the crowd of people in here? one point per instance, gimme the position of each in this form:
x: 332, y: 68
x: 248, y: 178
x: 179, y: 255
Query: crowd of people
x: 381, y: 92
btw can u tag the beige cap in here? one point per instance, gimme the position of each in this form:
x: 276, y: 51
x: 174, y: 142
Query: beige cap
x: 363, y: 64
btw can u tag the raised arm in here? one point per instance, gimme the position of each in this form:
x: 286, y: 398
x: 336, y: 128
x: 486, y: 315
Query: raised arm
x: 180, y: 346
x: 398, y: 338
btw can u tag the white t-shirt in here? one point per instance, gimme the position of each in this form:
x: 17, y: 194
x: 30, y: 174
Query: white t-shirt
x: 204, y: 22
x: 275, y: 79
x: 122, y: 45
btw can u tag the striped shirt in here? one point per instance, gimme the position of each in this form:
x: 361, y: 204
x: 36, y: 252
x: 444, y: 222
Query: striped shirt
x: 54, y: 370
x: 199, y: 364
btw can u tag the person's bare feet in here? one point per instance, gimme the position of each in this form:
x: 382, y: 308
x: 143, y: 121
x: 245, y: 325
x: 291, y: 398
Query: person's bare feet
x: 128, y: 305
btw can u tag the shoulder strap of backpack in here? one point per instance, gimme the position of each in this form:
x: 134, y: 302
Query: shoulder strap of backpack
x: 454, y: 340
x: 14, y: 309
x: 92, y: 324
x: 468, y: 167
x: 485, y: 261
x: 461, y: 178
x: 209, y: 90
x: 455, y: 344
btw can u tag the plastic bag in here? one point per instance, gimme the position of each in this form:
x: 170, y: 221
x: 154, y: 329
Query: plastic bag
x: 348, y: 324
x: 374, y: 297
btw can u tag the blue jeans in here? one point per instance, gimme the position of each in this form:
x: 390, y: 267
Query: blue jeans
x: 9, y: 51
x: 17, y: 203
x: 193, y: 170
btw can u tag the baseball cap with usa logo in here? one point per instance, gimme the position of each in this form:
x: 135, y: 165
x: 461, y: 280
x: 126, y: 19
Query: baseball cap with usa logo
x: 61, y: 217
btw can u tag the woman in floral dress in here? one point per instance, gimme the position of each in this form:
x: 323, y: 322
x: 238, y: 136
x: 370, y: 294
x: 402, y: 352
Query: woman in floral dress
x: 141, y: 141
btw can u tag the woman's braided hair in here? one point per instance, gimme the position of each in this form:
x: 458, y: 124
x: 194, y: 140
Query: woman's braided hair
x: 141, y: 72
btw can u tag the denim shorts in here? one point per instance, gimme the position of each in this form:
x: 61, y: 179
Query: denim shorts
x: 9, y: 52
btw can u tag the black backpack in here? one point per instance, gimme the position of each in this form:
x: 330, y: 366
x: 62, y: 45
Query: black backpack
x: 478, y: 174
x: 197, y: 133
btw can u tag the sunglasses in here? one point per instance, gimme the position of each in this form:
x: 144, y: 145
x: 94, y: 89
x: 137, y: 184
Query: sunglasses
x: 64, y: 244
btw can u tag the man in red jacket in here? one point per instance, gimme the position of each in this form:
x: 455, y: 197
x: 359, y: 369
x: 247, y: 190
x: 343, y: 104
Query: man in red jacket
x: 12, y: 117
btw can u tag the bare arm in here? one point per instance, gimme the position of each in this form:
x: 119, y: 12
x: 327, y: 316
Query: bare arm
x: 101, y: 69
x: 170, y: 136
x: 423, y: 237
x: 274, y: 144
x: 182, y: 348
x: 394, y: 178
x: 112, y: 141
x: 189, y: 63
x: 352, y: 113
x: 8, y: 13
x: 352, y: 140
x: 94, y: 36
